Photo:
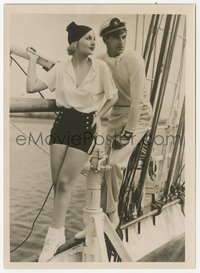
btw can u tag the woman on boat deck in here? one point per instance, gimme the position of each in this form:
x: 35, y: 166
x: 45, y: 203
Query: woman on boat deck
x: 81, y: 85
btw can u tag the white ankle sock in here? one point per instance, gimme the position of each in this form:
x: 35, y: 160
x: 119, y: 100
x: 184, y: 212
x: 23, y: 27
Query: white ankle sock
x: 55, y: 230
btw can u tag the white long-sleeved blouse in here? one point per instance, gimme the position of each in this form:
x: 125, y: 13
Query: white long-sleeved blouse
x: 88, y: 96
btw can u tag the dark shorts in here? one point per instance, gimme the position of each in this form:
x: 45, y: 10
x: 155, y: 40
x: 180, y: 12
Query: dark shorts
x: 73, y: 128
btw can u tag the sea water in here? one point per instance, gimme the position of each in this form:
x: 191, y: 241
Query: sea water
x: 29, y: 183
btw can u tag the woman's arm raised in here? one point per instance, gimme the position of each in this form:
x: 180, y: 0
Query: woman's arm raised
x: 33, y: 84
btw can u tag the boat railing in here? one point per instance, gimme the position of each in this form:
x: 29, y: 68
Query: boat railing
x: 23, y: 105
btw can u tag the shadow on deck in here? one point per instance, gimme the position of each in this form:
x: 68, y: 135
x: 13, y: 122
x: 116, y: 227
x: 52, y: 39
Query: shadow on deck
x: 173, y: 251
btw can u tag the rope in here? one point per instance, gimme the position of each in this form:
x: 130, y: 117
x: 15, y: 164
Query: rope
x: 29, y: 138
x: 24, y: 72
x: 112, y: 253
x: 177, y: 191
x: 33, y: 224
x: 130, y: 196
x: 176, y: 96
x: 18, y: 65
x: 136, y: 31
x: 47, y: 196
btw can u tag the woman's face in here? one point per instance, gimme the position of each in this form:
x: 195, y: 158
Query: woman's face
x: 86, y: 44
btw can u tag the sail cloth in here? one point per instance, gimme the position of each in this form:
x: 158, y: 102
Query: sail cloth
x: 170, y: 225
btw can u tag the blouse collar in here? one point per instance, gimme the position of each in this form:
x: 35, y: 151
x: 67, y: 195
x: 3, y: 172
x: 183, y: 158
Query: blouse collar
x: 89, y: 77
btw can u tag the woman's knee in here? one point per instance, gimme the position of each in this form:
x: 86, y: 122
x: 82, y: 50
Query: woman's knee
x: 64, y: 184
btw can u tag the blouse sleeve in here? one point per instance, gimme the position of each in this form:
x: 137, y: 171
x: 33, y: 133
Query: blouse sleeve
x: 108, y: 83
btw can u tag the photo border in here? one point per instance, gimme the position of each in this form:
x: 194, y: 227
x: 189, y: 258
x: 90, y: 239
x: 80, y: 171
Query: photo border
x: 189, y: 11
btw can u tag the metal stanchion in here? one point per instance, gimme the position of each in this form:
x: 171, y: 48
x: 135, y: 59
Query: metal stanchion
x: 96, y: 221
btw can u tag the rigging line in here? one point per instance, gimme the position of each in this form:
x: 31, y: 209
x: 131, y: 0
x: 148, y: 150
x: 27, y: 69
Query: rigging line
x: 175, y: 184
x: 29, y: 138
x: 177, y: 84
x: 10, y: 60
x: 168, y: 60
x: 24, y: 73
x: 18, y: 65
x: 184, y: 44
x: 159, y: 102
x: 136, y: 31
x: 153, y: 41
x: 176, y: 97
x: 157, y: 30
x: 143, y: 25
x: 33, y: 224
x: 47, y: 196
x: 161, y: 59
x: 166, y: 65
x: 155, y: 48
x: 178, y: 175
x: 128, y: 180
x: 173, y: 159
x: 154, y: 61
x: 149, y: 34
x: 167, y: 25
x: 179, y: 160
x: 154, y: 32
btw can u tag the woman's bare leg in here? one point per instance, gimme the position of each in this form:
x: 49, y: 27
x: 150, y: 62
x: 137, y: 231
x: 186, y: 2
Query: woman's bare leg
x: 57, y: 155
x: 71, y: 168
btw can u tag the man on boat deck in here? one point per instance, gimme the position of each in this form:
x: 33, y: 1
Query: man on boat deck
x: 131, y: 115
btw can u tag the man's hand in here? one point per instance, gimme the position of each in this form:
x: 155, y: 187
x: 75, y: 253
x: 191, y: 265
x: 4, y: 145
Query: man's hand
x: 121, y: 141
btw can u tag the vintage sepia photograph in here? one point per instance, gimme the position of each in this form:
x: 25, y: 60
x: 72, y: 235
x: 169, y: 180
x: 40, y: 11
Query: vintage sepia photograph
x: 99, y: 108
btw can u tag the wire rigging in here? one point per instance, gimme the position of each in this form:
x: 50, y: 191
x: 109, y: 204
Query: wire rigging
x: 13, y: 59
x: 47, y: 196
x: 128, y: 183
x: 29, y: 138
x: 33, y: 224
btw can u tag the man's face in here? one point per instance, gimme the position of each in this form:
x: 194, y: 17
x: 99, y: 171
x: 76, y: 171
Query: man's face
x: 115, y: 44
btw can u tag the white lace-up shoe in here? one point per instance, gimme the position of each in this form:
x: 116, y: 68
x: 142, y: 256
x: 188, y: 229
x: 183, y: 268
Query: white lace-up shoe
x: 54, y: 239
x: 80, y: 235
